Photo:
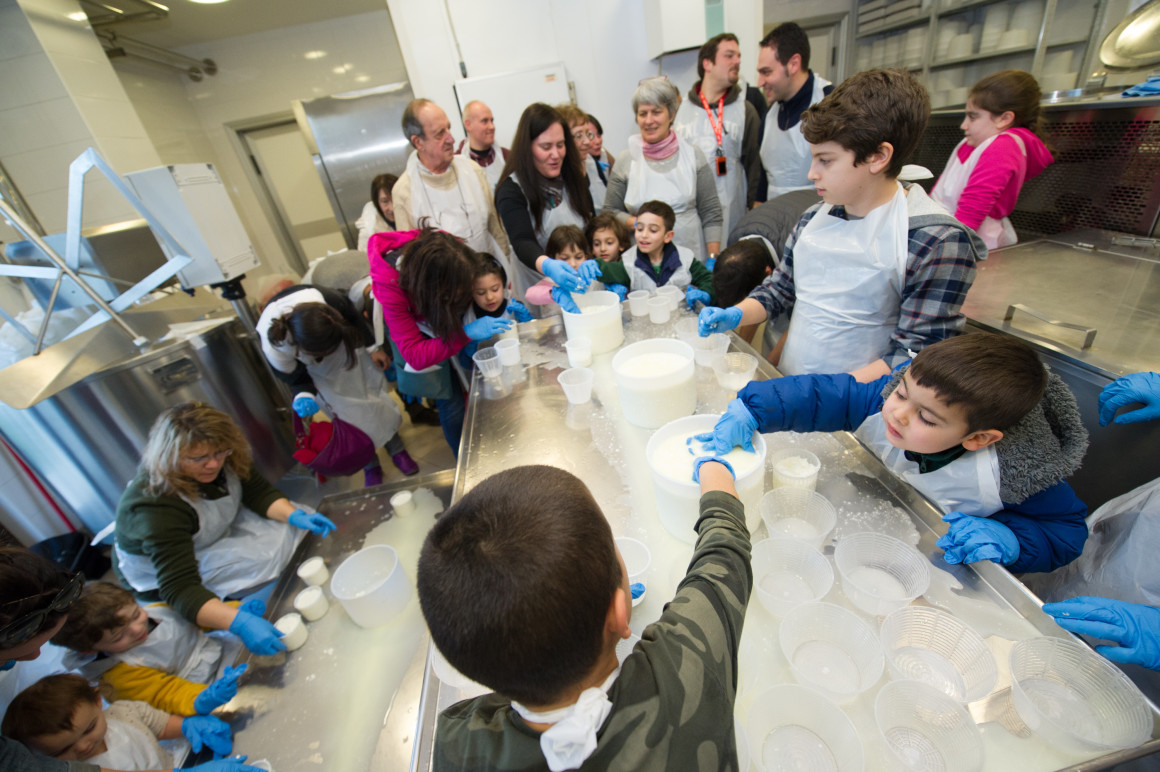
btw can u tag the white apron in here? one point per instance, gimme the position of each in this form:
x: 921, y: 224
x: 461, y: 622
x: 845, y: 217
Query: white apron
x: 358, y: 396
x: 969, y: 484
x: 692, y: 125
x: 678, y: 189
x: 950, y: 186
x: 848, y: 282
x: 523, y: 277
x: 595, y: 186
x: 131, y: 747
x: 236, y: 549
x: 494, y: 169
x: 786, y: 154
x: 647, y: 280
x: 176, y: 646
x: 461, y: 211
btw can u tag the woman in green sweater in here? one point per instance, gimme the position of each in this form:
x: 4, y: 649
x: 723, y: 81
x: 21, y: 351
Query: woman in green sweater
x: 198, y: 524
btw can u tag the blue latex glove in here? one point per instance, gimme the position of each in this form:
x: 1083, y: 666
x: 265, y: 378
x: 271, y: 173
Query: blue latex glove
x: 255, y: 606
x: 711, y: 263
x: 220, y: 691
x: 971, y: 539
x: 1128, y: 390
x: 1133, y: 627
x: 518, y: 311
x: 694, y: 296
x: 589, y: 271
x: 734, y: 428
x: 563, y: 298
x: 620, y: 290
x: 208, y: 731
x: 232, y: 764
x: 713, y: 319
x: 565, y: 276
x: 486, y: 326
x: 305, y: 405
x: 257, y: 634
x: 703, y: 459
x: 315, y: 522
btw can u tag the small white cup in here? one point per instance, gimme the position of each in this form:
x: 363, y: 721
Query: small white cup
x: 673, y: 293
x: 579, y: 352
x: 403, y: 503
x: 509, y: 351
x: 487, y: 360
x: 293, y: 631
x: 313, y: 571
x: 577, y: 384
x: 312, y: 604
x: 659, y: 308
x: 638, y: 302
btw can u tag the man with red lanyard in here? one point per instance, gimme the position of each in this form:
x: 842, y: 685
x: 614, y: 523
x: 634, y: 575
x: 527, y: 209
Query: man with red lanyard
x: 716, y: 118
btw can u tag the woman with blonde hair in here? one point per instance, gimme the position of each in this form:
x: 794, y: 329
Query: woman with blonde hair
x: 198, y: 524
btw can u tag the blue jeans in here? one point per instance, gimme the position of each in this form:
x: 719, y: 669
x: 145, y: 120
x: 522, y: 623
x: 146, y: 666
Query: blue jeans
x: 451, y: 411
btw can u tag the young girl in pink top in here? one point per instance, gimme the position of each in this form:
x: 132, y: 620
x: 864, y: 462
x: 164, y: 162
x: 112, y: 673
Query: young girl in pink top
x: 1003, y: 147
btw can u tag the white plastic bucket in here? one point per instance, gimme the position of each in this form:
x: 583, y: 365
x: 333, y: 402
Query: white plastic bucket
x: 371, y: 585
x: 599, y: 320
x: 655, y: 381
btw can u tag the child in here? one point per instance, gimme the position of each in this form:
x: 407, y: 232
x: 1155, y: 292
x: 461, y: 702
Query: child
x: 568, y: 244
x: 975, y: 423
x: 489, y: 293
x: 60, y: 716
x: 524, y: 591
x: 656, y: 261
x: 608, y: 238
x: 1004, y: 146
x: 152, y: 654
x: 740, y: 268
x: 878, y: 268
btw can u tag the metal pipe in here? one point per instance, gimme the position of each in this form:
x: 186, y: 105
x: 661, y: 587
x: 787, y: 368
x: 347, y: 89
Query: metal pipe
x: 47, y: 314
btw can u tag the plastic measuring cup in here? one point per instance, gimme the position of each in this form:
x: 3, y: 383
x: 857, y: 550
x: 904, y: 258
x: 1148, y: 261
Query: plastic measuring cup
x: 794, y: 467
x: 673, y: 293
x: 371, y: 585
x: 940, y: 650
x: 659, y: 309
x: 734, y: 370
x: 577, y: 384
x: 638, y: 302
x: 926, y: 729
x: 487, y: 360
x: 509, y: 351
x: 579, y: 352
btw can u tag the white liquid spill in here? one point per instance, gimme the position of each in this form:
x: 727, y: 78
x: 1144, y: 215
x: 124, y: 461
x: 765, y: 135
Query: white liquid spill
x: 795, y: 748
x: 795, y: 528
x: 828, y: 666
x: 877, y: 582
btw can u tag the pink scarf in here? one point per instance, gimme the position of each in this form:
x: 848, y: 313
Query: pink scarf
x: 658, y: 151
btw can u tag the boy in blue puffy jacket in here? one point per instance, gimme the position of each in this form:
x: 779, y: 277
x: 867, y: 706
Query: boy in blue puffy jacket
x: 975, y: 423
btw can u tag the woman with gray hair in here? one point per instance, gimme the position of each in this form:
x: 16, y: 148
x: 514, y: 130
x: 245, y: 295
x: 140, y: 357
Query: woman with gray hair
x: 659, y: 167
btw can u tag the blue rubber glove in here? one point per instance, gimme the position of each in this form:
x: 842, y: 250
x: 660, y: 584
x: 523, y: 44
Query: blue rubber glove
x: 486, y: 326
x: 565, y: 276
x: 315, y: 522
x: 232, y: 764
x: 734, y: 428
x: 257, y: 634
x: 219, y: 692
x: 1128, y: 390
x: 694, y: 296
x: 208, y: 731
x: 255, y: 606
x: 1135, y: 629
x: 971, y: 539
x: 620, y: 290
x: 563, y: 298
x: 697, y: 466
x: 518, y: 311
x: 713, y: 319
x: 305, y: 405
x: 711, y: 263
x: 589, y: 271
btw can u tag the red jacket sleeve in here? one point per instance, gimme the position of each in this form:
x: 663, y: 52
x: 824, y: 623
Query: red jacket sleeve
x: 996, y: 170
x: 418, y: 349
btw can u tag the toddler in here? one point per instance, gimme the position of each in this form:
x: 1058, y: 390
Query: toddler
x: 608, y: 237
x: 489, y: 293
x: 568, y: 244
x: 656, y: 261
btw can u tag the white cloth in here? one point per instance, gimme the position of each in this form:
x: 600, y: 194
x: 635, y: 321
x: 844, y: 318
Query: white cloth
x: 572, y: 737
x: 848, y: 281
x: 461, y: 211
x: 692, y: 125
x: 646, y: 280
x: 969, y: 484
x: 175, y: 646
x: 954, y: 179
x: 131, y: 746
x: 595, y: 186
x: 786, y: 154
x: 369, y: 223
x: 678, y: 189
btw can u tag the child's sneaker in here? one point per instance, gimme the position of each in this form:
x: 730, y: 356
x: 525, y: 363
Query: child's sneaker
x: 405, y: 463
x: 373, y: 476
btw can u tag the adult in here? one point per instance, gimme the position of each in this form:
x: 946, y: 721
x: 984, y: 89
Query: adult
x: 790, y: 86
x: 578, y: 126
x: 423, y: 281
x: 199, y: 523
x: 716, y: 118
x: 542, y: 187
x: 479, y: 125
x: 378, y: 214
x: 659, y: 166
x: 596, y: 149
x: 451, y: 192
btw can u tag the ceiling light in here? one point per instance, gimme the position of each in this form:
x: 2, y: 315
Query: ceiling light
x: 314, y: 54
x: 78, y: 16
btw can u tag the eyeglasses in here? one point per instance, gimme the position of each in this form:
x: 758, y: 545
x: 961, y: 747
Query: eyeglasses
x: 20, y: 630
x: 583, y: 135
x: 221, y: 455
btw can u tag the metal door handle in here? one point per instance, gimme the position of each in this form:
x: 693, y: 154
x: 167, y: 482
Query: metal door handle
x: 1089, y: 333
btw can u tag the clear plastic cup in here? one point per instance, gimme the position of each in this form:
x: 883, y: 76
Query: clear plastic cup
x: 931, y: 646
x: 509, y: 351
x: 708, y: 349
x: 577, y: 384
x: 792, y: 723
x: 880, y: 573
x: 734, y: 370
x: 687, y: 331
x: 659, y: 309
x: 579, y: 352
x: 638, y: 302
x: 487, y: 360
x: 637, y: 558
x: 926, y: 729
x: 788, y: 573
x: 674, y: 294
x: 794, y: 467
x: 798, y: 513
x: 831, y: 649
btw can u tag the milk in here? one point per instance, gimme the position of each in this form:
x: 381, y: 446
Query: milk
x: 672, y: 459
x: 672, y: 395
x: 599, y: 321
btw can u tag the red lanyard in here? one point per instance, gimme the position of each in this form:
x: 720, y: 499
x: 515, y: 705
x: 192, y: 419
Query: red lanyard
x: 718, y: 124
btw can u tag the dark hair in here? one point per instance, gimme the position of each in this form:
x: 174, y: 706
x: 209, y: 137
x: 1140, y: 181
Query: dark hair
x: 99, y: 610
x: 661, y: 210
x: 709, y: 51
x: 47, y: 707
x: 608, y: 222
x: 787, y: 39
x: 412, y: 127
x: 997, y: 379
x: 740, y: 267
x: 535, y: 120
x: 596, y: 123
x: 437, y: 271
x: 868, y: 109
x: 1013, y: 90
x: 318, y: 330
x: 382, y: 182
x: 28, y: 583
x: 567, y: 236
x: 487, y: 265
x: 515, y: 582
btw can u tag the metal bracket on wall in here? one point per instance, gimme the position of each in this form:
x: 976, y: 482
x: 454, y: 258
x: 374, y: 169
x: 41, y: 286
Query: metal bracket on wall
x: 1089, y: 333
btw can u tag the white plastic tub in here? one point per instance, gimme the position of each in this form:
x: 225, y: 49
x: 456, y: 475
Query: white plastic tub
x: 371, y: 585
x: 599, y: 320
x: 655, y: 381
